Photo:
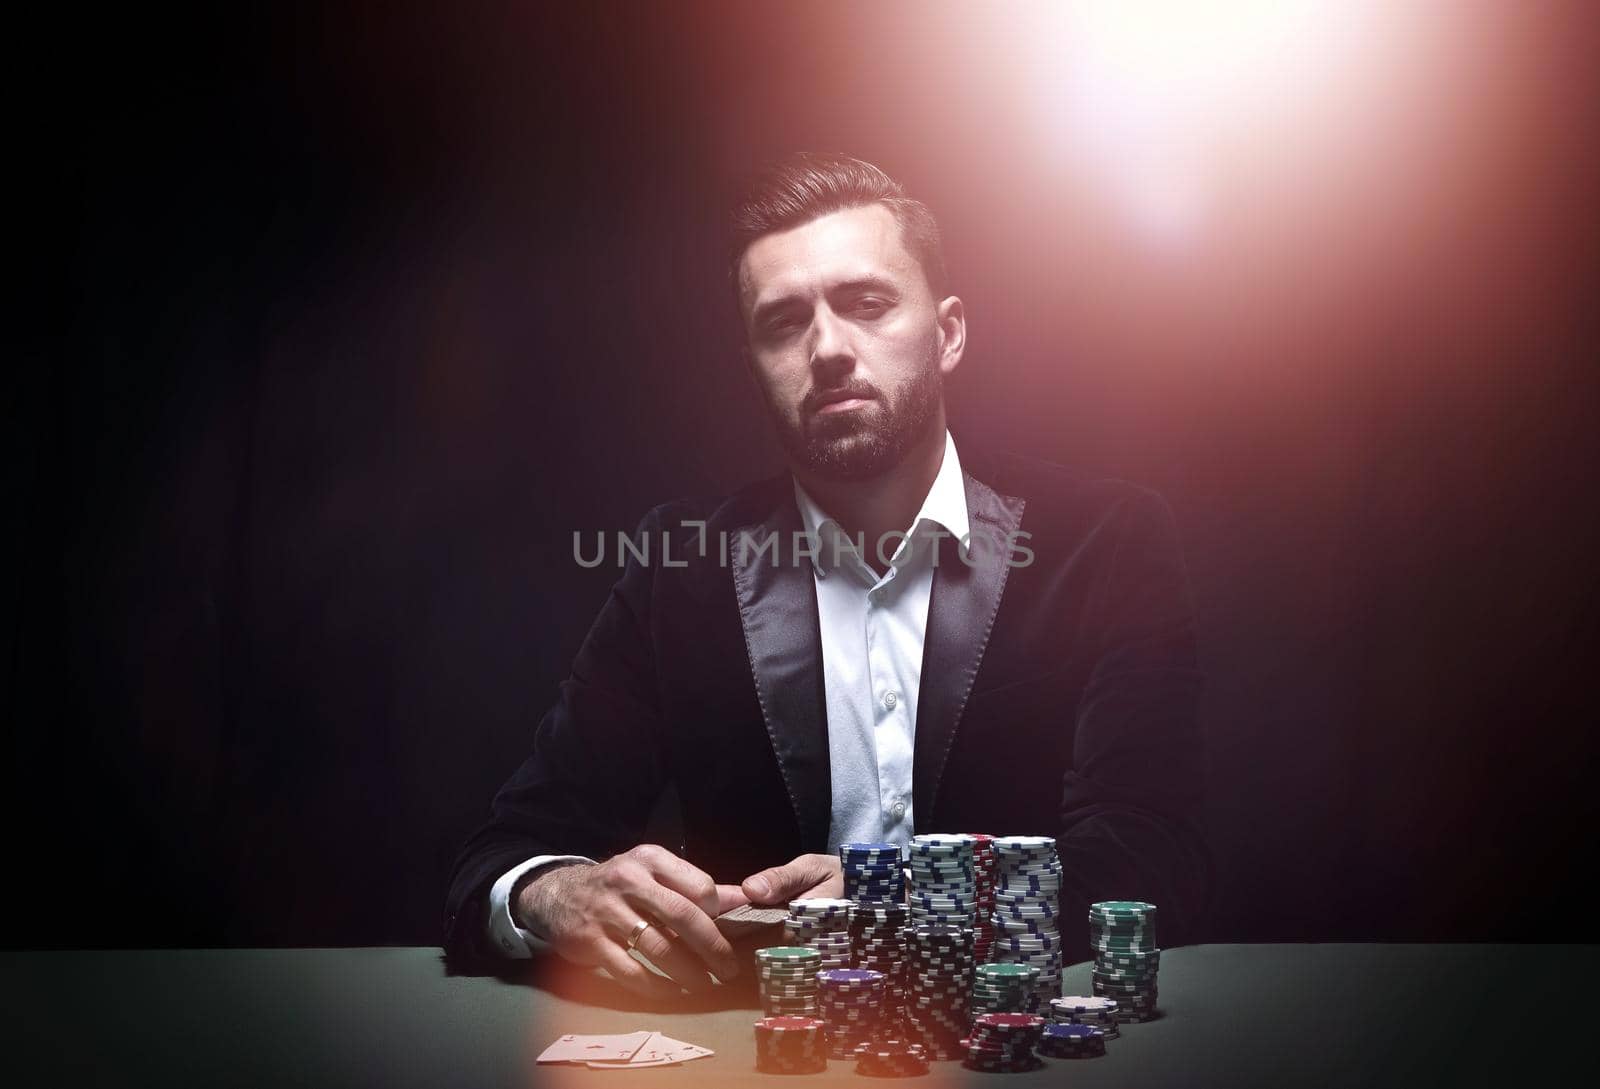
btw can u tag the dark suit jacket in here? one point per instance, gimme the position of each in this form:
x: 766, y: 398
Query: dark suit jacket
x: 1057, y: 698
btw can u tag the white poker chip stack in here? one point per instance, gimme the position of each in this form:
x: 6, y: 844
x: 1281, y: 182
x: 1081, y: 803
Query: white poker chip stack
x: 822, y: 924
x: 944, y: 886
x: 1026, y: 912
x: 1096, y: 1011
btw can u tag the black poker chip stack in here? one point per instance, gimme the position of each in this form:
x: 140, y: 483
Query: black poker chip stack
x: 877, y: 945
x: 939, y: 966
x: 891, y: 1057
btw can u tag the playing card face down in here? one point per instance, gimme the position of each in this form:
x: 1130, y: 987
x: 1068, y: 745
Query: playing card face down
x: 750, y: 919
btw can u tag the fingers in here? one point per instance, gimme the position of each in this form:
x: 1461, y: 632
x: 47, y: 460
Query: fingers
x: 779, y: 884
x: 694, y: 928
x: 831, y: 889
x: 662, y: 948
x: 682, y: 877
x: 602, y: 906
x: 633, y: 975
x: 732, y: 896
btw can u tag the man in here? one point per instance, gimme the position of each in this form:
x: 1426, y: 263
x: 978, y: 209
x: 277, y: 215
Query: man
x: 887, y: 638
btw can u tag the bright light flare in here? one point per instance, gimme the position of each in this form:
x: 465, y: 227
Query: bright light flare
x: 1155, y: 90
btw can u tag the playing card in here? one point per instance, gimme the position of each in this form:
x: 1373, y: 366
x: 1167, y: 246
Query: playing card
x: 680, y: 1051
x: 658, y: 1050
x: 580, y: 1049
x: 748, y: 918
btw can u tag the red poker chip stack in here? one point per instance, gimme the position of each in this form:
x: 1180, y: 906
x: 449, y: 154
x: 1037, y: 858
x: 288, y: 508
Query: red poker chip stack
x: 790, y: 1045
x: 986, y: 869
x: 1004, y: 1042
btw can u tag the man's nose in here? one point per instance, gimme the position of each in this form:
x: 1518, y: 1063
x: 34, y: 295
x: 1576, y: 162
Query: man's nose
x: 830, y: 345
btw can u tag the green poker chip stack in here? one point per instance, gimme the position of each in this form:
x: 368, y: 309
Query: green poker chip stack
x: 1002, y: 988
x: 788, y: 978
x: 1122, y: 934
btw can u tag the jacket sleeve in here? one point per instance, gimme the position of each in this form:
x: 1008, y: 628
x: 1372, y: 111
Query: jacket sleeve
x: 1132, y: 804
x: 597, y: 765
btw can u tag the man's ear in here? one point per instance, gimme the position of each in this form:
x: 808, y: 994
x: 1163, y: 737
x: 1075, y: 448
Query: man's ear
x: 953, y: 327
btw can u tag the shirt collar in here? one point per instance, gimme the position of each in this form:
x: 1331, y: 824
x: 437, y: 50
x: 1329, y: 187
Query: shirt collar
x: 944, y: 506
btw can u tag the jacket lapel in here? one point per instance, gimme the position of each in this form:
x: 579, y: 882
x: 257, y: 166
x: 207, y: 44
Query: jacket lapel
x: 961, y: 612
x: 778, y: 609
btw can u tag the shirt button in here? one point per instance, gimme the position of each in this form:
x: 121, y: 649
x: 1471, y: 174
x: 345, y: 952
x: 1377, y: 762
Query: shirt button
x: 890, y: 699
x: 899, y: 809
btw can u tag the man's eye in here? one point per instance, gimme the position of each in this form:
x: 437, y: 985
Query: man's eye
x: 871, y: 307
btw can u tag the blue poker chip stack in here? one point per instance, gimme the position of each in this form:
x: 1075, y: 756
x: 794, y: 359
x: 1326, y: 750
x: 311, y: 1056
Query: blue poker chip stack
x: 1026, y: 910
x: 872, y: 873
x: 1060, y: 1041
x: 939, y: 966
x: 821, y: 924
x: 1122, y: 934
x: 1096, y: 1011
x: 851, y: 1008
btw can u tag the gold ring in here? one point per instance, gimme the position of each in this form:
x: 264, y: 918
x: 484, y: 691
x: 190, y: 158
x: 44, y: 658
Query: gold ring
x: 636, y: 933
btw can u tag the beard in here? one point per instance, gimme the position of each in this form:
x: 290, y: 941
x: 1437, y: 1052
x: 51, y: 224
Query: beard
x: 861, y: 444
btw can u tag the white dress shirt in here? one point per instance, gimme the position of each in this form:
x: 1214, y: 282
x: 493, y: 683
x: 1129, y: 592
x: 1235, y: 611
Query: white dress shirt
x: 872, y: 631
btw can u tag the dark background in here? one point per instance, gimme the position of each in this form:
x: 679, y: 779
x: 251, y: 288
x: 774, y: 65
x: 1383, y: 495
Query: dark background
x: 340, y: 323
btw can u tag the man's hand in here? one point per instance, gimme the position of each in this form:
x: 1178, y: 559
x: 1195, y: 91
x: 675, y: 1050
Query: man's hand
x: 587, y: 913
x: 806, y: 876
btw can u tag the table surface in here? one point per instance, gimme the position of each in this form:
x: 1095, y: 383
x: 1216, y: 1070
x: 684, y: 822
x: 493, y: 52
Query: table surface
x: 1232, y: 1015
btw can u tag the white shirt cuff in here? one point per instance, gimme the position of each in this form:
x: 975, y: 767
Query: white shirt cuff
x: 504, y: 933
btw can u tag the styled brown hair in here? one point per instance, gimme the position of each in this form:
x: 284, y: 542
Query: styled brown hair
x: 804, y: 185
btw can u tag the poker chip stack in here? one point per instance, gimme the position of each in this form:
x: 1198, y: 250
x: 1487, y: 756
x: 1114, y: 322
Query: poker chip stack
x: 1060, y: 1041
x: 1028, y: 875
x: 891, y: 1057
x: 938, y: 975
x: 1004, y: 1043
x: 1002, y: 988
x: 877, y: 944
x: 821, y: 924
x: 984, y: 871
x: 788, y: 978
x: 790, y: 1045
x: 944, y: 886
x: 852, y: 1008
x: 872, y: 873
x: 1126, y: 957
x: 1096, y: 1011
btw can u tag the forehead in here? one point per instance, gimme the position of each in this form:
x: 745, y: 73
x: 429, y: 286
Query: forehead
x: 840, y: 246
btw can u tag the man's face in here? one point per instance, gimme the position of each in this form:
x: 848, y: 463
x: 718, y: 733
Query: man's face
x: 844, y: 341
